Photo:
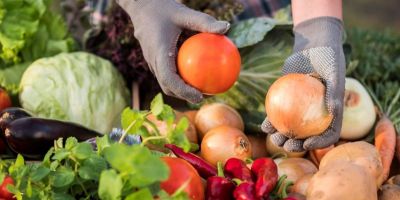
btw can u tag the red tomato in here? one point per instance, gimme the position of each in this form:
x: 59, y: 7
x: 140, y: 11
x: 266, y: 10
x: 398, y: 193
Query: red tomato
x: 180, y: 172
x: 209, y: 62
x: 5, y: 100
x: 4, y: 193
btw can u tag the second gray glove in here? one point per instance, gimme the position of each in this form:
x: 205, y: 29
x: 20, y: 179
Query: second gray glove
x: 318, y: 49
x: 158, y: 25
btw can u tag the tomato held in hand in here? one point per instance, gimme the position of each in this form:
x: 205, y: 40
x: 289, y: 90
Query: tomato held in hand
x: 209, y: 62
x: 4, y: 193
x: 181, y: 172
x: 5, y: 100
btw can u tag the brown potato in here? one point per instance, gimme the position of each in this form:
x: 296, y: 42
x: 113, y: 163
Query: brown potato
x: 344, y: 181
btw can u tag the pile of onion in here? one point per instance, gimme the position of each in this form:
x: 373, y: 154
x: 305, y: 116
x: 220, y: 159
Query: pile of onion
x: 295, y: 106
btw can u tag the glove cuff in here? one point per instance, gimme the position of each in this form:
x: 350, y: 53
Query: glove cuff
x: 318, y: 32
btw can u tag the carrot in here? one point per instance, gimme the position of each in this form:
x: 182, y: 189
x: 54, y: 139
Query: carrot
x: 385, y: 143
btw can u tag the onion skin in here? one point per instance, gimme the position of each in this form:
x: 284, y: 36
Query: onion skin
x: 358, y: 112
x: 216, y: 114
x: 225, y: 142
x: 295, y: 105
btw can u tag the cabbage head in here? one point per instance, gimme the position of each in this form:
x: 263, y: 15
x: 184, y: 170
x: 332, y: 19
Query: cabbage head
x: 77, y: 87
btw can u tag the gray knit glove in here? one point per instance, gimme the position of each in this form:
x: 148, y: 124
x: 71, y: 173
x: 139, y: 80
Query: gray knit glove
x: 317, y: 49
x: 158, y: 24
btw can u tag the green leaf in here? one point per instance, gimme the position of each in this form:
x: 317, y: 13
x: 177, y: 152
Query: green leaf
x: 61, y: 196
x: 110, y: 185
x: 61, y: 154
x: 284, y: 15
x: 92, y: 167
x: 249, y: 32
x: 143, y: 167
x: 82, y: 150
x: 11, y: 77
x: 102, y: 143
x: 62, y: 177
x: 167, y: 115
x: 157, y: 105
x: 70, y: 143
x: 19, y: 162
x: 143, y: 194
x: 178, y: 136
x: 29, y: 189
x: 131, y: 120
x: 46, y: 160
x: 40, y: 173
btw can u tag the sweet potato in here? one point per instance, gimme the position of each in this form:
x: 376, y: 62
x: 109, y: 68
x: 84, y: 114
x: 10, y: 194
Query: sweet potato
x: 344, y: 181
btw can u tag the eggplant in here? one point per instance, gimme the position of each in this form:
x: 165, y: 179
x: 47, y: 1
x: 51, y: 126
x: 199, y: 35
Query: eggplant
x: 10, y: 114
x: 33, y: 137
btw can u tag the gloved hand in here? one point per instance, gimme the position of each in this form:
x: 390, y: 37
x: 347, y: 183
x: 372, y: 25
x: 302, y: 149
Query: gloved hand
x: 158, y: 24
x: 317, y: 49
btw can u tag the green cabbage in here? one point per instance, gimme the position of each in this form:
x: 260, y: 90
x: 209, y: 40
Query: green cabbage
x: 77, y: 87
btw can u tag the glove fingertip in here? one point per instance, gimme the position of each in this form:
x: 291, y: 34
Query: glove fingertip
x: 321, y: 141
x: 267, y: 127
x: 278, y: 139
x: 219, y: 27
x: 293, y: 145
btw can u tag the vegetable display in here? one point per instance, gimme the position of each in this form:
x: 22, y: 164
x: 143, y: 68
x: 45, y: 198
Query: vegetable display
x: 66, y: 131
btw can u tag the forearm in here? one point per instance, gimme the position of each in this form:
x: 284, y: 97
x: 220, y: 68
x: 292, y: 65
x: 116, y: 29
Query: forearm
x: 303, y: 10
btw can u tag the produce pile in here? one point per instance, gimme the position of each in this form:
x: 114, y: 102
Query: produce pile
x: 68, y: 130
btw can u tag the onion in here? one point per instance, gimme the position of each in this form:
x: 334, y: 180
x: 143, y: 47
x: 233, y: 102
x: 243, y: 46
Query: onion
x: 225, y: 142
x: 359, y: 112
x: 295, y: 168
x: 216, y: 114
x: 295, y: 106
x: 301, y: 185
x: 274, y: 150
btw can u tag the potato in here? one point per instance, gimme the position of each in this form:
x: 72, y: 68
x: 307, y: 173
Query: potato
x: 342, y: 181
x: 360, y: 153
x: 389, y: 192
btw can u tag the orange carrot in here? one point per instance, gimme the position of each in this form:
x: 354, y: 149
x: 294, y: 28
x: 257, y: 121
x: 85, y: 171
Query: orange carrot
x: 385, y: 143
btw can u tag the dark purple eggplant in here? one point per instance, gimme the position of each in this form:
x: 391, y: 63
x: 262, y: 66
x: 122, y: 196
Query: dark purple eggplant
x: 10, y: 114
x: 33, y: 137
